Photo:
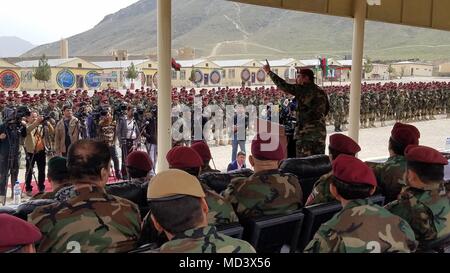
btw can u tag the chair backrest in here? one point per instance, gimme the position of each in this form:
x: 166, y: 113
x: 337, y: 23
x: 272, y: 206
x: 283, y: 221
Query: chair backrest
x: 269, y: 234
x: 147, y: 248
x: 441, y: 245
x: 315, y: 216
x: 319, y: 214
x: 308, y: 170
x: 233, y: 230
x: 219, y: 181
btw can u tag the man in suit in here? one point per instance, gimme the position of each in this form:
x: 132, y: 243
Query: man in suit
x: 238, y: 164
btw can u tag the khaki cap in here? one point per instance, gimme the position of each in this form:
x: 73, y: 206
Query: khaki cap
x: 174, y: 183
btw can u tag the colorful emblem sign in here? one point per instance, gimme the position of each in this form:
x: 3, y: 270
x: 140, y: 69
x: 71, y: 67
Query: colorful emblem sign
x: 198, y: 76
x: 92, y: 79
x: 261, y: 75
x: 245, y: 75
x: 9, y: 80
x: 155, y: 79
x: 215, y: 77
x: 65, y: 78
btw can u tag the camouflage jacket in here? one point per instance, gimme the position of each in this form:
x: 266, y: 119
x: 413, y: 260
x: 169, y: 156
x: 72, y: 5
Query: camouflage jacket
x: 264, y: 193
x: 50, y: 195
x: 91, y: 222
x: 390, y: 177
x: 362, y: 227
x: 321, y: 191
x: 220, y: 210
x: 426, y: 210
x: 312, y: 105
x: 205, y: 240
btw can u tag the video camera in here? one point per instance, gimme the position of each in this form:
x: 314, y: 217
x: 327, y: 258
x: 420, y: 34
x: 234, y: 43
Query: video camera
x: 15, y: 114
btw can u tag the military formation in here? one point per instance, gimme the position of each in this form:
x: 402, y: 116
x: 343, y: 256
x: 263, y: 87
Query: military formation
x: 403, y: 102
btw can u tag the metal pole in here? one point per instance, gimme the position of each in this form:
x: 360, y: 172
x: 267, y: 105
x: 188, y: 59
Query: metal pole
x: 164, y: 84
x: 357, y: 59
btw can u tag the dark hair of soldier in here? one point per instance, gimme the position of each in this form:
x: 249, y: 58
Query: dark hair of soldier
x: 179, y: 215
x: 426, y: 172
x: 86, y: 159
x: 136, y: 173
x: 335, y: 153
x: 57, y: 177
x: 396, y: 147
x: 352, y: 191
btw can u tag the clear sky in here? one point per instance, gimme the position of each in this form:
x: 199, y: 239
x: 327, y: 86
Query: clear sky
x: 44, y: 21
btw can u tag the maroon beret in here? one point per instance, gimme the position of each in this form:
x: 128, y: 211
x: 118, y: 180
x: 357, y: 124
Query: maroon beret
x: 351, y: 170
x: 424, y: 154
x: 183, y: 157
x: 202, y: 149
x: 263, y: 149
x: 405, y: 134
x: 139, y: 160
x: 16, y: 232
x: 344, y: 144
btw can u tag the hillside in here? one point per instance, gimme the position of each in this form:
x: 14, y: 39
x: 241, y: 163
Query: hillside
x: 11, y: 46
x: 222, y: 29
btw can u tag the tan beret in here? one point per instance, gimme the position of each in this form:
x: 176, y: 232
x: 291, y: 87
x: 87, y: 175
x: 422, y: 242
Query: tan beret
x: 172, y: 183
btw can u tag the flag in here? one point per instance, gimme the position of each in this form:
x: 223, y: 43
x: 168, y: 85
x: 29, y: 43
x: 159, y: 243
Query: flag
x: 176, y: 65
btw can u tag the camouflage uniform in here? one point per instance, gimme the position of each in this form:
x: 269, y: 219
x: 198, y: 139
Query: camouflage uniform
x: 220, y: 210
x: 339, y: 112
x: 91, y: 222
x: 365, y: 103
x: 312, y: 109
x: 426, y: 210
x: 264, y: 193
x: 205, y: 240
x: 390, y: 177
x: 321, y: 191
x: 362, y: 227
x: 384, y: 107
x: 50, y: 195
x: 373, y: 109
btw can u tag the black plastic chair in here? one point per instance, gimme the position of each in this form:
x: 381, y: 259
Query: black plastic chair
x: 308, y: 170
x: 148, y: 248
x: 233, y: 230
x: 315, y: 216
x: 319, y: 214
x: 269, y: 234
x: 441, y: 245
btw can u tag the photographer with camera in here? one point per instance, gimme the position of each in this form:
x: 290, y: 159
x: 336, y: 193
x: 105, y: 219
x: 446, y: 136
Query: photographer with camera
x: 11, y: 131
x: 35, y: 150
x: 128, y: 134
x: 67, y: 131
x: 150, y: 133
x: 107, y: 134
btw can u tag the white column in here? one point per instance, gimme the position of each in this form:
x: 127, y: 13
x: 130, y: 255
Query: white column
x: 164, y: 84
x: 357, y: 59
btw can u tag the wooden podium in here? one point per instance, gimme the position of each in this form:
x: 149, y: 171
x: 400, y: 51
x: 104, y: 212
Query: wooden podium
x: 273, y: 129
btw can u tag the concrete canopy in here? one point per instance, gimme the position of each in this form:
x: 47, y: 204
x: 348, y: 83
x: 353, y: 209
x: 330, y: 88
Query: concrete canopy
x: 418, y: 13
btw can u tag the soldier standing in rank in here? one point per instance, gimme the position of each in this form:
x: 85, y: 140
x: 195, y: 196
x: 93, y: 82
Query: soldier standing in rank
x: 312, y: 109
